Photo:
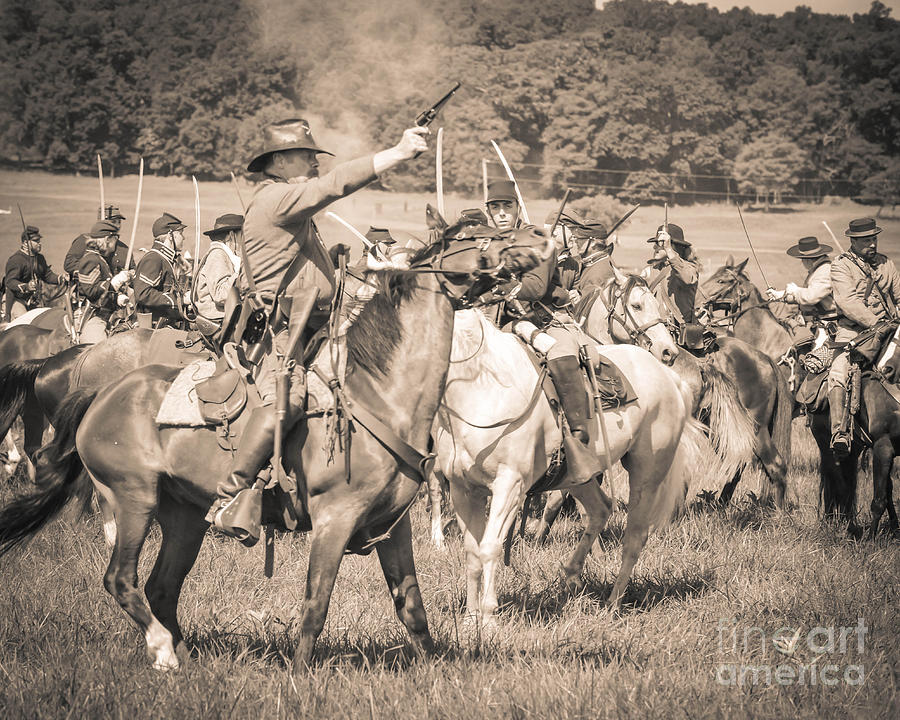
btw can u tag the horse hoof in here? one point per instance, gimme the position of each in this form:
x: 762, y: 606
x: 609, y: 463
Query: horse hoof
x: 573, y: 584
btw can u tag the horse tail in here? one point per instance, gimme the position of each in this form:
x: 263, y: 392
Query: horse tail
x: 60, y: 477
x: 16, y: 381
x: 688, y: 460
x: 783, y: 415
x: 731, y: 429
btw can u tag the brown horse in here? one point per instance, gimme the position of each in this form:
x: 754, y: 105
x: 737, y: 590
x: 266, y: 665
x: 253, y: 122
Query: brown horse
x: 879, y: 416
x: 398, y: 353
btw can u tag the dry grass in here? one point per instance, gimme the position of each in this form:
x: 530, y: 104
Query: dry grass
x: 67, y: 650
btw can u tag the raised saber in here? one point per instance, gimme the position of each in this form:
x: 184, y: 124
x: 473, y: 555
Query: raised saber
x: 439, y: 170
x: 196, y: 226
x: 509, y: 174
x: 137, y: 212
x: 833, y: 236
x: 622, y: 219
x: 758, y: 263
x: 102, y: 197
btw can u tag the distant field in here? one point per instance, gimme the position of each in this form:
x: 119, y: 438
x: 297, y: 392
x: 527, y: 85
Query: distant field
x: 64, y: 206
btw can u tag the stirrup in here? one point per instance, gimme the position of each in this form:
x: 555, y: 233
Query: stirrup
x: 241, y: 517
x: 840, y: 445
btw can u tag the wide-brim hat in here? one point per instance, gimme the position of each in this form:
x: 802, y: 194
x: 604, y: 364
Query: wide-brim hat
x: 809, y: 247
x: 501, y: 190
x: 225, y: 223
x: 862, y: 227
x: 293, y: 134
x: 676, y: 234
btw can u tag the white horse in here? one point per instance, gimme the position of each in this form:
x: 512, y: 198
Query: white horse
x: 496, y: 434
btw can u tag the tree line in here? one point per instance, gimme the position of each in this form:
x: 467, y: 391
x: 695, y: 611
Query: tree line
x: 671, y: 99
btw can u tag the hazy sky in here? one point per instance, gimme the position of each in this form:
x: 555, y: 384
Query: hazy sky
x: 835, y: 7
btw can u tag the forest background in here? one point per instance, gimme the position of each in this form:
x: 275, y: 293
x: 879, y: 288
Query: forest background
x: 641, y: 99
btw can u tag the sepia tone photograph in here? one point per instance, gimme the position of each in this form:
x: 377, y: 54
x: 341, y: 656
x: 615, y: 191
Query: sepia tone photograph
x: 449, y: 359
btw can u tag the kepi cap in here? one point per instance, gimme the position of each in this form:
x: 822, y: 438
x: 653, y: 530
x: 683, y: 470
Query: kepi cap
x: 499, y: 190
x: 379, y: 235
x: 103, y: 228
x: 166, y: 223
x: 112, y: 213
x: 31, y: 233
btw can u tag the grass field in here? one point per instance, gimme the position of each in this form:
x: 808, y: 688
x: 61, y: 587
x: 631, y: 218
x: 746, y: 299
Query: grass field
x: 706, y: 630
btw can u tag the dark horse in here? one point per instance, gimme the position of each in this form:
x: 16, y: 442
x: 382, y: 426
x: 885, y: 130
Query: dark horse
x: 762, y: 389
x: 398, y: 354
x: 879, y: 416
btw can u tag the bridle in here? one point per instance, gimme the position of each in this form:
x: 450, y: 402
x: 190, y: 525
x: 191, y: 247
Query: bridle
x: 730, y: 297
x: 618, y: 294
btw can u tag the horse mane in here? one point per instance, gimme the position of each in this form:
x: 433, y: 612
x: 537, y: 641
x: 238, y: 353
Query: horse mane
x: 377, y: 330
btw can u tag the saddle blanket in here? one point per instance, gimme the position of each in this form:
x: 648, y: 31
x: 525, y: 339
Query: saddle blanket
x: 180, y: 406
x: 28, y: 318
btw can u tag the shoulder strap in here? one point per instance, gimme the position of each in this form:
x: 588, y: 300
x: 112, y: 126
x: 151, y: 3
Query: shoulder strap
x: 873, y: 285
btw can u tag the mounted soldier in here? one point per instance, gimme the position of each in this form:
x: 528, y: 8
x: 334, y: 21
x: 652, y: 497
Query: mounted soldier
x: 156, y: 287
x: 545, y: 302
x: 294, y: 276
x: 76, y: 250
x: 674, y: 273
x: 866, y: 289
x: 26, y: 269
x: 219, y: 270
x: 98, y: 284
x: 814, y: 297
x: 587, y: 243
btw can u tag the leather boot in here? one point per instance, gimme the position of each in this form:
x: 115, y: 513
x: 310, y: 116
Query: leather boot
x: 581, y: 460
x: 238, y: 510
x: 837, y: 406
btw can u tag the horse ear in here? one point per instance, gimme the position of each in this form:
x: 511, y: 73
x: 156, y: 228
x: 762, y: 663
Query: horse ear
x: 621, y: 278
x: 729, y: 262
x: 433, y: 219
x: 740, y: 268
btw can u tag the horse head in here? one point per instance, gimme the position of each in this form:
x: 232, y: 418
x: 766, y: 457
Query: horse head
x: 728, y: 286
x: 635, y: 317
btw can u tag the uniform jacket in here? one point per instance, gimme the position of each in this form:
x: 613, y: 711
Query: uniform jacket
x: 675, y: 287
x: 94, y: 276
x: 548, y: 285
x: 154, y: 283
x: 278, y: 227
x: 22, y: 268
x: 218, y: 272
x: 79, y: 245
x: 815, y: 298
x: 859, y: 303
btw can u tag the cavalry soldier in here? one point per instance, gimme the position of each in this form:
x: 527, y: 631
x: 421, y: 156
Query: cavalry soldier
x: 155, y: 283
x: 290, y: 266
x: 547, y: 303
x: 814, y: 298
x: 26, y: 269
x: 585, y: 252
x: 97, y: 283
x: 219, y: 269
x: 76, y: 250
x: 675, y: 280
x: 866, y: 288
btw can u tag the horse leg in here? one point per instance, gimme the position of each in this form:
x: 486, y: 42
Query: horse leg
x: 35, y: 424
x: 772, y: 462
x: 555, y: 501
x: 434, y: 494
x: 13, y: 456
x: 470, y: 509
x: 183, y: 530
x: 507, y: 498
x: 330, y: 536
x: 598, y: 507
x: 396, y: 557
x: 728, y: 491
x: 882, y: 462
x: 132, y: 525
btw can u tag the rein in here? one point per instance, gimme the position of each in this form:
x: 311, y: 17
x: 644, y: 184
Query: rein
x: 536, y: 393
x: 618, y: 294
